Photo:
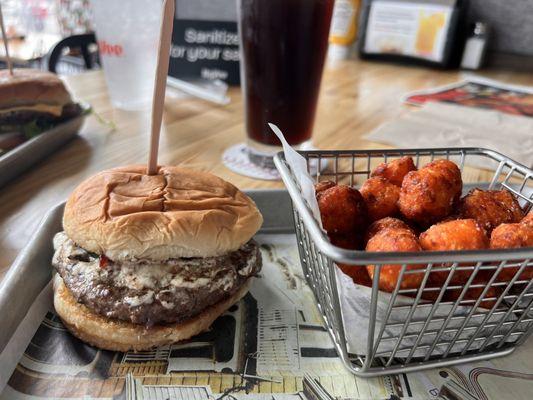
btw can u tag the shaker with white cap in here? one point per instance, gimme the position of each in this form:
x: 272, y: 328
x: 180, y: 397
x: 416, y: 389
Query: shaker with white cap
x: 475, y: 47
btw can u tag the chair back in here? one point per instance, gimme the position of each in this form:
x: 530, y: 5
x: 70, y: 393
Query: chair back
x: 81, y: 42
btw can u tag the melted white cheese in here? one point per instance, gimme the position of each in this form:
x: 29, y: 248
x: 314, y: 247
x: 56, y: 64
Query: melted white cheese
x: 155, y: 277
x: 135, y: 301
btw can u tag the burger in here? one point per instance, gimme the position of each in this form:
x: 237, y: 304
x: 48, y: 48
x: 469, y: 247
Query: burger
x: 31, y: 101
x: 149, y: 260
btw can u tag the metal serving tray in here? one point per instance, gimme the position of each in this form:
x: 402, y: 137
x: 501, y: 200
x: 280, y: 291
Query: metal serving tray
x: 22, y: 157
x: 395, y: 343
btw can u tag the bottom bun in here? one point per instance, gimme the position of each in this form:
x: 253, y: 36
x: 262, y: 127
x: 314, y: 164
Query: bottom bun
x: 115, y: 335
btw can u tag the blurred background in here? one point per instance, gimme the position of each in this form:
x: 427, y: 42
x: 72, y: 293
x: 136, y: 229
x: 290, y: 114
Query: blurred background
x: 465, y: 66
x: 37, y: 28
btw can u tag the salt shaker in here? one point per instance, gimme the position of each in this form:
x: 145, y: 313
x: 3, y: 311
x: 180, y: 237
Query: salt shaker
x: 475, y: 47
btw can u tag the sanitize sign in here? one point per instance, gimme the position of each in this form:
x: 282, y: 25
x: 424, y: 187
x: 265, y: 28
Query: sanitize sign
x: 205, y: 49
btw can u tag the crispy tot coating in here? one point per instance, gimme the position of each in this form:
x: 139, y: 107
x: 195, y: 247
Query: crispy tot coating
x: 460, y: 234
x: 490, y: 208
x: 343, y: 210
x: 345, y: 241
x: 322, y: 186
x: 394, y: 171
x: 380, y: 197
x: 383, y: 223
x: 400, y: 240
x: 528, y: 220
x: 429, y: 194
x: 358, y: 273
x: 512, y: 236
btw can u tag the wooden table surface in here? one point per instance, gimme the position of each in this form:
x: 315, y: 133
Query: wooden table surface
x: 356, y: 97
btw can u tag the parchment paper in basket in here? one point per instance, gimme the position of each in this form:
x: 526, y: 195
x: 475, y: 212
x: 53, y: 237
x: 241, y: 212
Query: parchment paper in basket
x: 355, y: 305
x: 355, y: 299
x: 298, y: 166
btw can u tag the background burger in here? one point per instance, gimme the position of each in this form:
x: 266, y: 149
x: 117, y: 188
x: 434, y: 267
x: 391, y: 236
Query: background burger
x: 150, y: 260
x: 31, y: 101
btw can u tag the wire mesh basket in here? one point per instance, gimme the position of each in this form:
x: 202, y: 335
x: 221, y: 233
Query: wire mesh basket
x: 408, y: 332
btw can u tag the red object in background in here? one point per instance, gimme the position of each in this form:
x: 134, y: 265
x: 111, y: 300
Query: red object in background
x: 480, y: 95
x: 453, y: 95
x: 110, y: 49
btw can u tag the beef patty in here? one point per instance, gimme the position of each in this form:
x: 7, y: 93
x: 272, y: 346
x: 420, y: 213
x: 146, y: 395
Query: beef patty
x: 149, y: 293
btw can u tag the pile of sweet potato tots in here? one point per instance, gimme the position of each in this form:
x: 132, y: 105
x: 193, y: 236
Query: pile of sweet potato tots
x: 402, y: 209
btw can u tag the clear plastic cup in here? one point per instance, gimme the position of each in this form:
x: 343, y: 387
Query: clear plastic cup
x: 128, y: 37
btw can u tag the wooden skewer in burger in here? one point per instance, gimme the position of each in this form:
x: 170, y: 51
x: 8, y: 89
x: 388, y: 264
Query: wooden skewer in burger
x: 149, y: 258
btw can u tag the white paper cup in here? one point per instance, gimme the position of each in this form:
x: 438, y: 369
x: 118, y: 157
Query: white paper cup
x: 128, y: 37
